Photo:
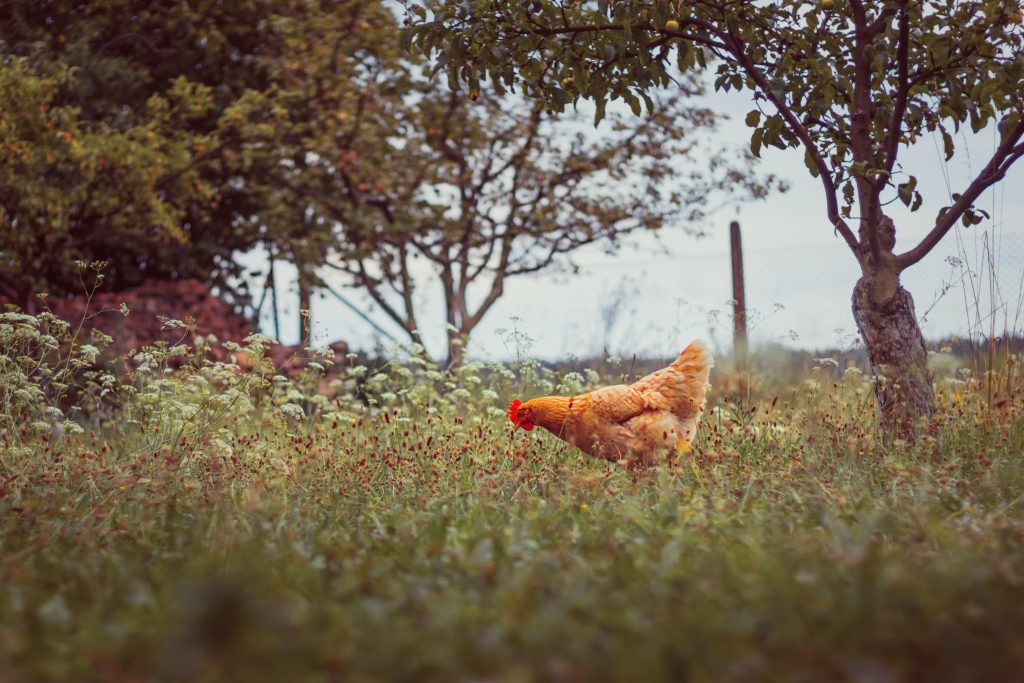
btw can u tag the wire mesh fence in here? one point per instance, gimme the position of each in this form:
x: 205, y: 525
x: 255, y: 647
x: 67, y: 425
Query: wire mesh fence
x: 797, y: 295
x: 971, y: 286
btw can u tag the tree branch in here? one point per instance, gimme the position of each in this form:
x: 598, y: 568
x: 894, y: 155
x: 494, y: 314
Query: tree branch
x: 902, y: 94
x: 1008, y: 152
x: 824, y: 173
x: 370, y: 285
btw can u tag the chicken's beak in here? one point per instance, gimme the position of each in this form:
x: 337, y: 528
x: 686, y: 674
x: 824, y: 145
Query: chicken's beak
x: 519, y: 421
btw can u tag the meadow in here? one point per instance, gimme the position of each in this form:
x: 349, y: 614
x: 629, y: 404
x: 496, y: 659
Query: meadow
x: 181, y: 517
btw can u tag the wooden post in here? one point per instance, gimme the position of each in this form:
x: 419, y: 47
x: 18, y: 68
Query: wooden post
x: 739, y: 310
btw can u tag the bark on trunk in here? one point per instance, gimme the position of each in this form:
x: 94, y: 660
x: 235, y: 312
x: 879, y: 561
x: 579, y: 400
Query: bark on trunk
x: 305, y: 321
x: 456, y: 350
x: 899, y: 358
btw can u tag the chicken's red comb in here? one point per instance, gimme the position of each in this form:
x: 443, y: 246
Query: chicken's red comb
x: 513, y: 410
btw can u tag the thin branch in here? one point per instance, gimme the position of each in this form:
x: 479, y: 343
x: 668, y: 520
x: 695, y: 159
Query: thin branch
x: 902, y: 93
x: 497, y: 287
x: 370, y: 285
x: 355, y: 309
x: 163, y: 52
x: 824, y: 173
x: 168, y: 178
x: 1008, y: 152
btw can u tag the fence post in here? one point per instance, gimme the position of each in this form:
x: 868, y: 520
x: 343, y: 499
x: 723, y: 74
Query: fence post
x: 739, y: 310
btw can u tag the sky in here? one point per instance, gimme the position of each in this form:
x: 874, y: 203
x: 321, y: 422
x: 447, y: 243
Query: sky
x: 656, y: 294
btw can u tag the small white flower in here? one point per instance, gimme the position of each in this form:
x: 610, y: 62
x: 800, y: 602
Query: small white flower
x: 170, y: 323
x: 293, y: 411
x: 89, y: 352
x: 260, y: 340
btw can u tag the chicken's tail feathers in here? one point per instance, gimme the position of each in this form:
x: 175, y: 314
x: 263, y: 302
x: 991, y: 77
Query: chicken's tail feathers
x: 696, y: 358
x: 694, y: 364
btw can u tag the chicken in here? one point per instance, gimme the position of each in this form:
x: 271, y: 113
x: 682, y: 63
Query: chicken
x: 635, y: 423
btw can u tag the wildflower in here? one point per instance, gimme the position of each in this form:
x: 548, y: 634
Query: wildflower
x: 259, y: 341
x: 169, y: 323
x: 293, y: 411
x: 89, y: 353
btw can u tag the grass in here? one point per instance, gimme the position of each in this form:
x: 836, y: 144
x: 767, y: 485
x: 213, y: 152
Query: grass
x: 417, y: 540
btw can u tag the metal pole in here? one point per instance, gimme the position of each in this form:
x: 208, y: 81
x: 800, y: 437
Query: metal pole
x: 273, y: 299
x: 352, y: 307
x: 739, y: 297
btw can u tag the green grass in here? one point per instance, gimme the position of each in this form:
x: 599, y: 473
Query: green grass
x: 423, y: 543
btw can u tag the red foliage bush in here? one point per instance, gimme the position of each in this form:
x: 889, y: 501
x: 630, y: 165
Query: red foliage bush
x: 178, y: 300
x: 186, y: 300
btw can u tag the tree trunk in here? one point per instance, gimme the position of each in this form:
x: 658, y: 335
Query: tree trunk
x: 456, y: 350
x: 899, y: 358
x: 305, y: 321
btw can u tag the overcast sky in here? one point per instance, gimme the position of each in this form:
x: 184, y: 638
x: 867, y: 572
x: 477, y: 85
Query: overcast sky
x: 656, y: 295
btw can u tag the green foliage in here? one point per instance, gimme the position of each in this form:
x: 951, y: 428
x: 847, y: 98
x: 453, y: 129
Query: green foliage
x: 240, y: 526
x: 43, y: 359
x: 70, y: 191
x: 185, y: 103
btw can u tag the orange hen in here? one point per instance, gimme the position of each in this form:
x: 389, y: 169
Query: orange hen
x: 634, y: 423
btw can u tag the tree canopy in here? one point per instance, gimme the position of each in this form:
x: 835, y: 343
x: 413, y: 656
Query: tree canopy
x: 195, y: 98
x: 484, y: 188
x: 476, y: 187
x: 71, y: 191
x: 848, y: 82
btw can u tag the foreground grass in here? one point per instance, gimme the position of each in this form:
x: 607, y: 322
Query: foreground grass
x: 410, y: 546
